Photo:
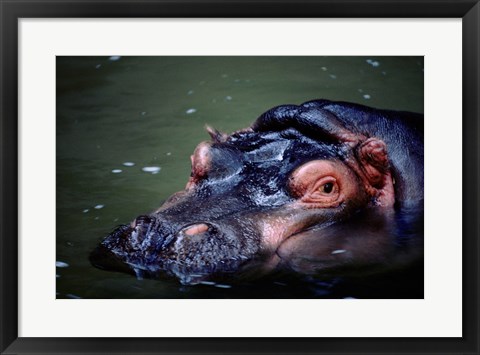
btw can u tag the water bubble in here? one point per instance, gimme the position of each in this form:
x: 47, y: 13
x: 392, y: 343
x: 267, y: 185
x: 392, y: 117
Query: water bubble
x: 190, y: 111
x: 333, y: 76
x: 61, y: 264
x: 86, y: 210
x: 366, y: 97
x: 143, y: 113
x: 114, y: 58
x: 116, y: 171
x: 339, y: 251
x: 190, y: 92
x: 168, y: 153
x: 128, y: 163
x: 373, y: 63
x: 98, y: 66
x: 324, y: 68
x: 98, y: 207
x: 228, y: 98
x: 151, y: 169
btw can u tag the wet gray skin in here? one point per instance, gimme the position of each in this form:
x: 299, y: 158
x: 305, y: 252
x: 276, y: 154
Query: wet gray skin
x: 238, y: 215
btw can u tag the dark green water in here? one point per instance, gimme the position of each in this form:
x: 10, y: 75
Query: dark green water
x: 151, y: 111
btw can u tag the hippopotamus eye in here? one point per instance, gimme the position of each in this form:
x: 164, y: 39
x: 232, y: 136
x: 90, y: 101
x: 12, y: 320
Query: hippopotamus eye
x: 321, y: 183
x: 328, y: 187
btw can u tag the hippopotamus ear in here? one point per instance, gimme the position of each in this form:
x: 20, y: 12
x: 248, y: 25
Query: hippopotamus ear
x: 373, y: 167
x: 373, y: 160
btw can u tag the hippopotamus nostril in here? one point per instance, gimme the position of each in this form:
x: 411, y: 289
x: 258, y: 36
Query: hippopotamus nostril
x: 196, y: 229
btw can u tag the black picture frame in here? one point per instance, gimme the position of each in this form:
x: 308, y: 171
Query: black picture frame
x: 12, y: 11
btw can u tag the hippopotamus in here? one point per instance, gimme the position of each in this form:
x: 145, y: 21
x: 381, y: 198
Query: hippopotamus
x: 312, y: 188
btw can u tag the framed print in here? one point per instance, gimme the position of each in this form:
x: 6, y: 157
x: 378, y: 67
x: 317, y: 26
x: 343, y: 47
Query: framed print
x: 201, y: 177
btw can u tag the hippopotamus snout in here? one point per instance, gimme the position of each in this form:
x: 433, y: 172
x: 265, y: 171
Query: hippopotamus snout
x: 191, y: 251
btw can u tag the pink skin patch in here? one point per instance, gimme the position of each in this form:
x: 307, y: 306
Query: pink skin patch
x: 196, y: 229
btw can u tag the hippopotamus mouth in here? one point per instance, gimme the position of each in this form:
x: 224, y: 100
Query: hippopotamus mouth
x: 261, y: 194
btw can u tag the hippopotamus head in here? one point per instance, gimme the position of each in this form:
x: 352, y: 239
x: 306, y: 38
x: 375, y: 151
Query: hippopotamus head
x: 297, y: 169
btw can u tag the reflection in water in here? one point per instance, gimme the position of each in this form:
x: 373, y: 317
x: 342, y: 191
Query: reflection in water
x: 135, y: 113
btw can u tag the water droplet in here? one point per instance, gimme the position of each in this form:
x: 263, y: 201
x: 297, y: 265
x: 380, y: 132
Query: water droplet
x: 98, y: 66
x: 69, y: 295
x: 116, y: 171
x: 324, y: 68
x: 97, y: 207
x: 129, y: 163
x: 143, y: 113
x: 86, y: 210
x: 190, y: 92
x: 366, y: 97
x: 339, y: 251
x: 61, y: 264
x: 114, y: 58
x: 151, y: 169
x: 190, y: 111
x: 333, y: 76
x: 228, y: 98
x: 373, y: 63
x: 169, y: 153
